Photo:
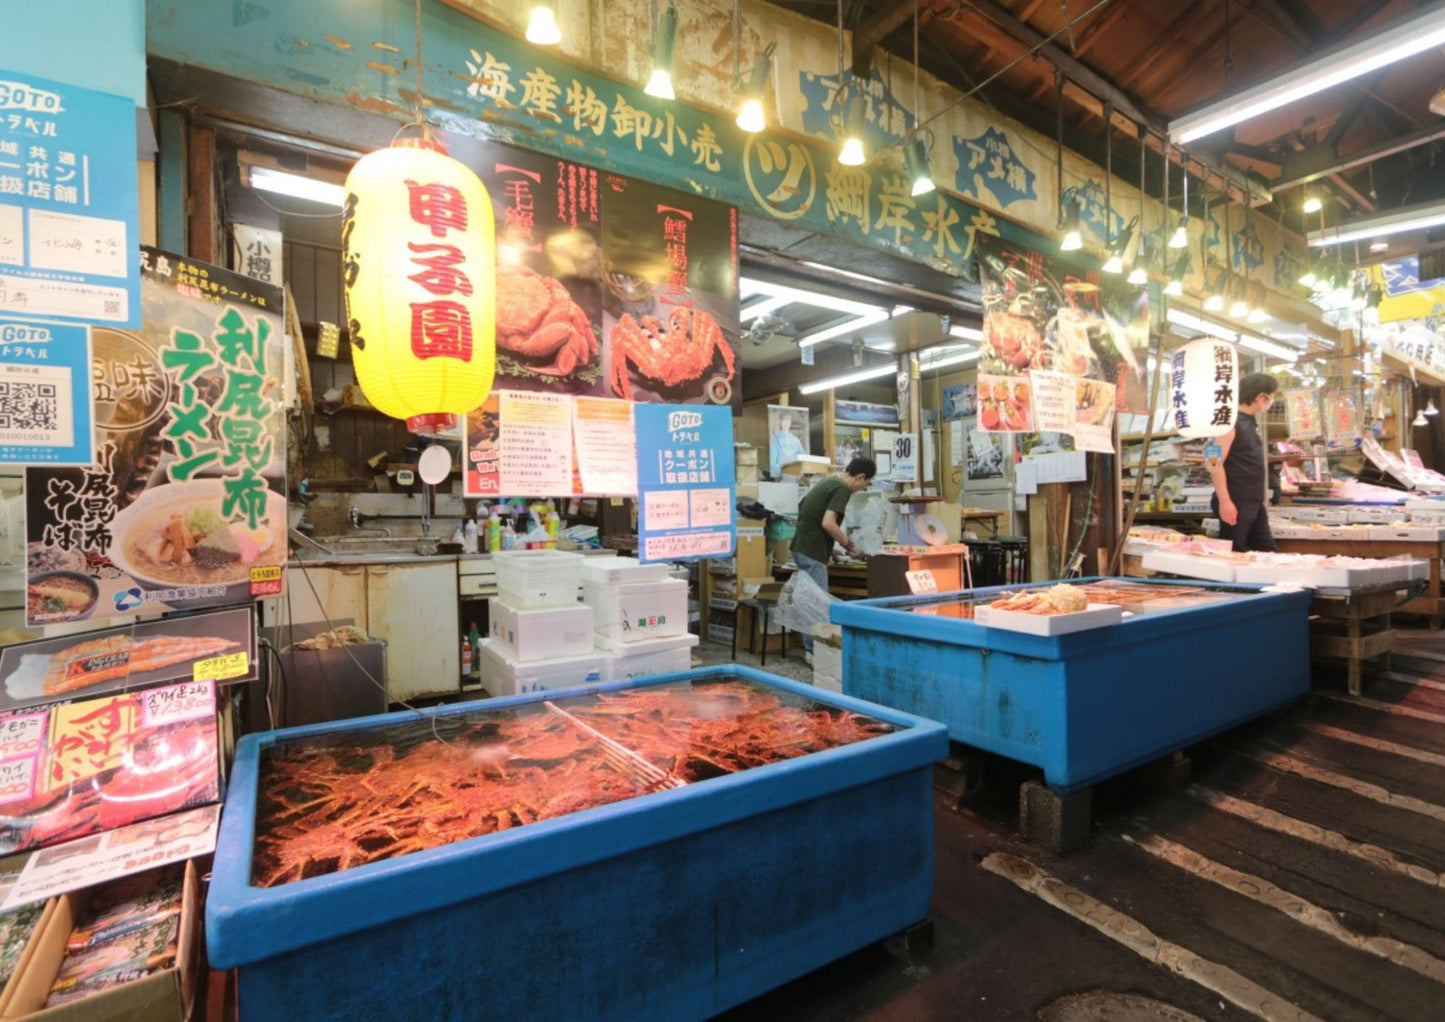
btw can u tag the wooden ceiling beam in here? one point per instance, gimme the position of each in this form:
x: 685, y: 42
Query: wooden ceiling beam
x: 1317, y: 161
x: 1288, y: 18
x: 1101, y: 28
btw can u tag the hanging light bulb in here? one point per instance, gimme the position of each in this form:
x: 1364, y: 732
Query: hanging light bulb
x: 1258, y: 315
x: 751, y: 117
x: 916, y: 155
x: 1175, y: 287
x: 852, y: 154
x: 1312, y: 204
x: 1419, y: 420
x: 1430, y: 408
x: 664, y: 39
x: 1308, y: 277
x: 1239, y: 308
x: 1180, y: 237
x: 1138, y: 275
x: 1073, y: 236
x: 542, y: 28
x: 1115, y: 262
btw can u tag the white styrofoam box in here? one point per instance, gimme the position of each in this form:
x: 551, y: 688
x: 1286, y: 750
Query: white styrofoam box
x: 1290, y: 530
x: 543, y: 633
x: 1213, y: 569
x: 616, y: 570
x: 1426, y: 511
x: 1416, y: 570
x: 638, y: 610
x: 1303, y: 513
x: 504, y: 675
x: 827, y: 667
x: 1413, y: 532
x: 650, y: 656
x: 780, y: 498
x: 1382, y: 515
x: 1096, y: 616
x: 1271, y: 571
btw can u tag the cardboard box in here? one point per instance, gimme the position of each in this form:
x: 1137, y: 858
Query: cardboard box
x: 745, y: 454
x: 36, y: 930
x: 542, y: 634
x: 642, y: 610
x: 163, y: 996
x: 750, y: 491
x: 747, y: 474
x: 752, y: 551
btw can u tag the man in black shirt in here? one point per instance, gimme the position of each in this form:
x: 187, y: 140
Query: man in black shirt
x: 1240, y: 475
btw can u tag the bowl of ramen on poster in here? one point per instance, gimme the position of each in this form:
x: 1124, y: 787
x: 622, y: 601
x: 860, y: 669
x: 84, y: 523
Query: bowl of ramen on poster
x: 180, y: 536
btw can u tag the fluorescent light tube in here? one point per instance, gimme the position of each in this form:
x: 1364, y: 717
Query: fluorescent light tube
x: 851, y: 326
x: 871, y: 373
x: 280, y: 182
x: 763, y: 307
x: 1409, y: 37
x: 1260, y: 346
x: 1412, y: 218
x: 820, y: 301
x: 968, y: 333
x: 1205, y: 326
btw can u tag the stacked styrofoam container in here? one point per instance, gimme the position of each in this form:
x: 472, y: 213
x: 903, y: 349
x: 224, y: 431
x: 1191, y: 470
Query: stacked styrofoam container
x: 540, y: 636
x: 664, y: 655
x: 633, y: 601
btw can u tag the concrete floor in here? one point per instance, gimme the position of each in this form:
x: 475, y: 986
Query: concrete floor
x: 1301, y: 874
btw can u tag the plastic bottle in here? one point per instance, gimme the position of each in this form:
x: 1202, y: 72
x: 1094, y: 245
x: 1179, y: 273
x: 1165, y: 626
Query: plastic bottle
x: 457, y: 536
x: 509, y: 536
x: 554, y: 526
x: 466, y: 656
x: 494, y: 531
x: 475, y: 638
x: 469, y: 537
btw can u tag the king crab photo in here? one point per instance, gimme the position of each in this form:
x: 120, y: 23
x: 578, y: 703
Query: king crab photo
x: 678, y: 352
x: 540, y: 325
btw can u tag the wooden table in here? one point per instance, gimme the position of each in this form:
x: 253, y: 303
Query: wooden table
x: 982, y: 515
x: 1429, y: 603
x: 1354, y: 626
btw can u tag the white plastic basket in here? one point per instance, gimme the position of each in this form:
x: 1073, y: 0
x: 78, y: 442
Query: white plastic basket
x: 532, y: 579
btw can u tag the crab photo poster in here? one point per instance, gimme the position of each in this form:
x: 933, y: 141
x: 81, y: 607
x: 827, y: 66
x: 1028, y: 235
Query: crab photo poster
x: 185, y: 504
x: 549, y: 268
x: 670, y: 298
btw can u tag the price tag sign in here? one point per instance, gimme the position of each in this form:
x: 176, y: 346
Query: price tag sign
x: 921, y: 582
x: 1212, y: 451
x: 328, y: 340
x: 222, y: 668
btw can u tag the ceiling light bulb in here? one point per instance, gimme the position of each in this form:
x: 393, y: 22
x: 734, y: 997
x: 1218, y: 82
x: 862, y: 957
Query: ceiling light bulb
x: 1379, y: 246
x: 660, y: 84
x: 1239, y: 309
x: 1419, y: 420
x: 542, y: 26
x: 852, y: 154
x: 1313, y: 204
x: 1174, y: 288
x: 1308, y: 278
x: 1138, y: 275
x: 1214, y: 303
x: 1114, y: 264
x: 751, y: 117
x: 916, y: 156
x: 1257, y: 315
x: 1180, y: 237
x: 1430, y: 408
x: 664, y: 39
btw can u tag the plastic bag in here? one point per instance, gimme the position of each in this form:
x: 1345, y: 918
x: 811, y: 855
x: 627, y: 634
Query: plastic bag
x: 870, y: 531
x: 803, y: 606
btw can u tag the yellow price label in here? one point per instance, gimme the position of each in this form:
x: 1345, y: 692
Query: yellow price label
x: 222, y: 668
x: 266, y: 573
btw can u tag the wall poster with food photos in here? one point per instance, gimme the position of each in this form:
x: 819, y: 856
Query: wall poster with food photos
x: 1042, y: 315
x: 185, y: 504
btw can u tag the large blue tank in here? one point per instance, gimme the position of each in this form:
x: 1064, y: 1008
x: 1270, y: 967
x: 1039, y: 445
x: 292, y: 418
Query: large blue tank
x: 1189, y: 660
x: 676, y: 902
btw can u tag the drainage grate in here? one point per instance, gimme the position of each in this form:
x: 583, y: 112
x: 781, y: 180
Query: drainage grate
x: 1107, y: 1006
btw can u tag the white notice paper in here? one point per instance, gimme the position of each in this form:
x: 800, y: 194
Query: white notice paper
x: 80, y: 244
x: 665, y: 509
x: 957, y: 445
x: 536, y: 443
x: 606, y: 441
x: 12, y: 235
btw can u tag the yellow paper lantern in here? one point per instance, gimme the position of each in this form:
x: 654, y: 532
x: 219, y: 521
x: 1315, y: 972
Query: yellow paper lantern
x: 418, y: 253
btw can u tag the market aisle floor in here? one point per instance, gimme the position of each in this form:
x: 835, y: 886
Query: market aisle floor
x: 1301, y: 874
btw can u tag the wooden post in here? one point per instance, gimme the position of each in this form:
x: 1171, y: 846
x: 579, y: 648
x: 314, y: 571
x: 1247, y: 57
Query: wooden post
x: 201, y: 195
x: 830, y: 424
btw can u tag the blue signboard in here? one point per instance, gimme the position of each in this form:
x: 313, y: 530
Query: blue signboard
x: 684, y: 482
x: 45, y: 396
x: 69, y: 205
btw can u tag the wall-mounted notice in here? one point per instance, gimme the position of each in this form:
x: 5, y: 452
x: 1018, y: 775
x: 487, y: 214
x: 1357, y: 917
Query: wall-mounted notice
x: 69, y: 203
x: 685, y: 481
x: 45, y: 397
x: 606, y: 446
x: 536, y: 443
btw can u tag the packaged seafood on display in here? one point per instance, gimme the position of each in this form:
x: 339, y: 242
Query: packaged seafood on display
x: 1366, y: 515
x: 1410, y: 532
x: 359, y: 863
x: 618, y: 570
x: 543, y: 634
x: 505, y: 675
x: 666, y: 655
x: 641, y: 610
x: 1094, y: 615
x: 1431, y: 511
x: 1212, y: 568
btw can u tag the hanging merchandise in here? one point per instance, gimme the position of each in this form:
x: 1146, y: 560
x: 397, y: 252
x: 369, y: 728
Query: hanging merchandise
x: 1204, y: 388
x: 417, y: 251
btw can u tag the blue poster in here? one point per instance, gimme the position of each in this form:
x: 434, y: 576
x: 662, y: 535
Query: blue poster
x: 684, y: 482
x: 69, y: 205
x: 45, y: 396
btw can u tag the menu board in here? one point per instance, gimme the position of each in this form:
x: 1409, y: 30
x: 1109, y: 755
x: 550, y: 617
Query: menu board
x: 185, y: 503
x: 78, y: 768
x: 670, y: 308
x: 685, y: 482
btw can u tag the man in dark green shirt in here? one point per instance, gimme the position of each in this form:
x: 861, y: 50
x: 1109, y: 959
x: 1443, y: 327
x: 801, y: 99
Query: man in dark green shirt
x: 820, y: 524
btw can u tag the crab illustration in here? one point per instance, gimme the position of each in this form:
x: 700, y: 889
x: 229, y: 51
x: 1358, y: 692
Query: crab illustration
x: 537, y: 320
x: 680, y: 351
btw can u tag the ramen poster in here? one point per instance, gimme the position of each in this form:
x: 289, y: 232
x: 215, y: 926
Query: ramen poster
x: 185, y: 505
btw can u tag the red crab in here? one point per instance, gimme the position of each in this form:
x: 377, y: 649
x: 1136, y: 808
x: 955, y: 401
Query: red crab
x: 538, y: 320
x: 680, y: 351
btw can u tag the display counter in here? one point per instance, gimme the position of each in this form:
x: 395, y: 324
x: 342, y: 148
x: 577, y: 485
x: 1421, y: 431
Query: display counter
x: 664, y: 848
x: 1186, y: 661
x: 1430, y: 603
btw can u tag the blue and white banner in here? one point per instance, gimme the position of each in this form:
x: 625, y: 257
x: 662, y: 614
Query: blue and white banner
x: 685, y: 482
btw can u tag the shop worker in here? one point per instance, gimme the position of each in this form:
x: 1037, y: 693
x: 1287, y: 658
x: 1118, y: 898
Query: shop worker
x: 820, y: 523
x: 785, y: 446
x: 1239, y: 475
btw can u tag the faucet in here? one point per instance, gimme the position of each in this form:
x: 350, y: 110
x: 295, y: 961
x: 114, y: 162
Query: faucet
x: 356, y: 520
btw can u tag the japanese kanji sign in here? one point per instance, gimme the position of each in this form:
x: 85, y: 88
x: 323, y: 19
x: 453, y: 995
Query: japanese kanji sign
x: 184, y: 505
x: 69, y: 203
x: 685, y: 479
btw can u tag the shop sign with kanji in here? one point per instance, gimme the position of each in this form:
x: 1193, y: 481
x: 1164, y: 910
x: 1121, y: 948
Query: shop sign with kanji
x: 184, y: 505
x: 69, y: 203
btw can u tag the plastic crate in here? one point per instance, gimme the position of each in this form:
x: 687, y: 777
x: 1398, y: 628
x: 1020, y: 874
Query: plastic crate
x: 532, y: 579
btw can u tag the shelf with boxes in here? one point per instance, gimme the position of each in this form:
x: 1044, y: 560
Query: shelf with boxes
x: 632, y: 621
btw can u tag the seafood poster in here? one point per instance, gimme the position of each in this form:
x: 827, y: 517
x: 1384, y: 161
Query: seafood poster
x: 108, y: 762
x: 1041, y: 313
x: 670, y: 302
x: 549, y: 269
x: 129, y: 657
x: 685, y: 482
x: 1302, y: 409
x: 1005, y: 404
x: 185, y: 504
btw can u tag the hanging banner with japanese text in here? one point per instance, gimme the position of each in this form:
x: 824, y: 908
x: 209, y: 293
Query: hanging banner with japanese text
x: 685, y: 482
x: 1204, y: 388
x: 45, y: 398
x: 185, y: 503
x: 1302, y: 410
x: 69, y: 203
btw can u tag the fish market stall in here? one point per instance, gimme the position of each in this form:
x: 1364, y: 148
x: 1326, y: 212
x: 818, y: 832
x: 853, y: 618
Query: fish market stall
x: 660, y: 848
x: 1182, y: 662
